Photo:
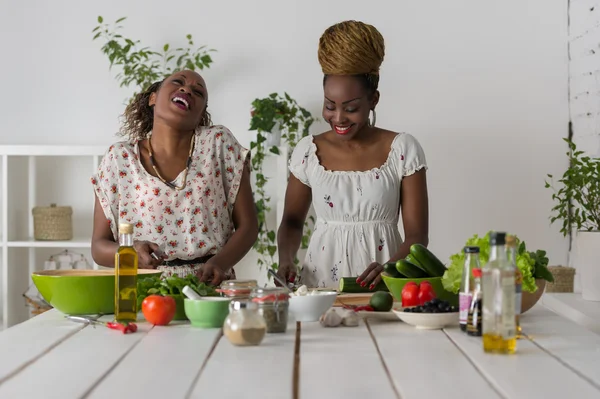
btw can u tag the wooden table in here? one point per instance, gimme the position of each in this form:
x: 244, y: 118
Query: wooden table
x: 51, y: 357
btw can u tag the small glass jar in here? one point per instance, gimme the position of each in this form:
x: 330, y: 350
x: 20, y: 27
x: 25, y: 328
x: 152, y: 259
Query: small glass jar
x: 237, y: 289
x: 244, y: 326
x: 273, y: 305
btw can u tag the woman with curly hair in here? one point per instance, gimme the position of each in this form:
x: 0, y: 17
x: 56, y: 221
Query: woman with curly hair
x: 357, y: 175
x: 182, y: 182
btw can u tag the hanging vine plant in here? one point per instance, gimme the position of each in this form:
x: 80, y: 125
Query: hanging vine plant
x: 272, y: 114
x: 141, y: 66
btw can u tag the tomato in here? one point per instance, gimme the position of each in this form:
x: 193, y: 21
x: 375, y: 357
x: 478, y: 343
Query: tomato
x: 158, y: 310
x: 410, y: 294
x: 426, y: 293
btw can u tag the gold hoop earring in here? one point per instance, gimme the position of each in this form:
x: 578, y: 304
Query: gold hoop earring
x: 372, y: 123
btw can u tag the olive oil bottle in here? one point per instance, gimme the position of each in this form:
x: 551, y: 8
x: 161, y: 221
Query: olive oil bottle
x: 498, y: 288
x: 126, y: 265
x: 511, y: 253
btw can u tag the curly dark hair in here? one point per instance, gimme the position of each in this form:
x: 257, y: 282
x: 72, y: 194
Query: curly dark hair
x: 139, y: 115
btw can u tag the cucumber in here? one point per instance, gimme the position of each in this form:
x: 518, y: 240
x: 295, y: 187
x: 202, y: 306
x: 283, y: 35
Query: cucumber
x: 390, y: 269
x: 349, y: 284
x: 414, y: 261
x: 409, y: 269
x: 427, y: 260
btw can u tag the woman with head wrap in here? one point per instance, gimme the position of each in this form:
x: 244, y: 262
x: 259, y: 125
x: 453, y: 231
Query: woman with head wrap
x: 358, y: 176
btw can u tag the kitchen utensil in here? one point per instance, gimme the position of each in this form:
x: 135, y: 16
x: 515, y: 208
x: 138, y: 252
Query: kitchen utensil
x: 289, y: 286
x: 124, y: 328
x: 190, y: 293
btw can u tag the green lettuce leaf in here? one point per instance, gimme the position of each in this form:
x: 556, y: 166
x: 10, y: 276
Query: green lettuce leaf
x: 453, y: 274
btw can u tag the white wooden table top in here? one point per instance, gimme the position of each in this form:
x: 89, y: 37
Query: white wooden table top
x: 51, y: 357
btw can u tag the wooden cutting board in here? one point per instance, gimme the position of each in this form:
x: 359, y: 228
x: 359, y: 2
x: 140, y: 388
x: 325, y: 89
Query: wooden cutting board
x: 352, y: 299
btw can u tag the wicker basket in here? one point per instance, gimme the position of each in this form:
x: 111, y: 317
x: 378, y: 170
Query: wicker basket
x: 563, y: 279
x: 52, y: 223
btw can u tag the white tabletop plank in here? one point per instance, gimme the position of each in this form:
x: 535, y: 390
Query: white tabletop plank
x: 426, y: 364
x: 74, y: 366
x: 263, y: 371
x: 574, y: 307
x: 23, y: 343
x: 574, y: 345
x: 529, y: 373
x: 341, y: 362
x: 174, y: 354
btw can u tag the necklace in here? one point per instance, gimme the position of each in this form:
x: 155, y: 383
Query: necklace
x: 187, y: 165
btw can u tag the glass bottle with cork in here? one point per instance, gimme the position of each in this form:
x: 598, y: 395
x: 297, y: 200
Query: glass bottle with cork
x: 498, y: 299
x: 126, y: 267
x: 511, y: 254
x: 474, y: 324
x: 466, y: 289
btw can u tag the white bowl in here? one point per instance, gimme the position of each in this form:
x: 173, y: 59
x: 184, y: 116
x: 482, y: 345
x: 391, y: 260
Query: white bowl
x: 427, y: 321
x: 311, y: 307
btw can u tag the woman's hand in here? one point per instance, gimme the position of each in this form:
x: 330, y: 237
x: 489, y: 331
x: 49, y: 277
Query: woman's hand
x: 371, y: 276
x: 286, y: 272
x: 211, y: 274
x: 145, y: 249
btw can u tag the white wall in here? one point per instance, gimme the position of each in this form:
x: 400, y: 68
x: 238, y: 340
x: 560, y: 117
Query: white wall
x: 482, y: 85
x: 584, y: 80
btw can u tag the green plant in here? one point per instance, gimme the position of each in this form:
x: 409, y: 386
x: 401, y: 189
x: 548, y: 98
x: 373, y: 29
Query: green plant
x: 532, y: 265
x: 578, y: 200
x: 142, y: 66
x: 294, y: 123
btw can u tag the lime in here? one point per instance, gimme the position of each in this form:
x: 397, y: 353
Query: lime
x: 381, y: 301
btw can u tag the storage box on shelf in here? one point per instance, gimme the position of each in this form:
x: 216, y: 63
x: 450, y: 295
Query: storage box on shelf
x: 33, y: 176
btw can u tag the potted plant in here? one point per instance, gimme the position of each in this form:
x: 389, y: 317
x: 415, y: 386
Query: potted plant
x: 533, y: 266
x: 578, y: 209
x: 290, y: 122
x: 142, y: 66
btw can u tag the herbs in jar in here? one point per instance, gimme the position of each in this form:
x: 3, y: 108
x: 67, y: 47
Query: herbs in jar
x: 273, y: 304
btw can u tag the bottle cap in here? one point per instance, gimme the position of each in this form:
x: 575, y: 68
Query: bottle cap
x: 511, y: 240
x: 125, y: 228
x: 497, y: 238
x: 476, y: 272
x: 471, y: 250
x: 237, y: 305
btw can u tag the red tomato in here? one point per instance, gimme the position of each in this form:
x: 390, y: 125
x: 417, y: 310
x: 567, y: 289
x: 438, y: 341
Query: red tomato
x: 158, y: 310
x: 426, y: 292
x: 410, y: 294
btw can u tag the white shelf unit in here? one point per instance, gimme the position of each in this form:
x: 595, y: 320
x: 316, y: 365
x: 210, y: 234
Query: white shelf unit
x: 31, y: 176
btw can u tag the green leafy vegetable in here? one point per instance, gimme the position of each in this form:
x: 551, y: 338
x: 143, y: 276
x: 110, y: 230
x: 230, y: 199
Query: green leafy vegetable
x: 172, y: 286
x: 532, y: 265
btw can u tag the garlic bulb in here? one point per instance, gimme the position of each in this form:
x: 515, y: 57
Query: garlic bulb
x: 350, y: 319
x: 330, y: 318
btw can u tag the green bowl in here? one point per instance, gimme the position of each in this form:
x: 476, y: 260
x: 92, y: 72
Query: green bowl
x: 395, y: 285
x: 80, y: 292
x: 210, y: 312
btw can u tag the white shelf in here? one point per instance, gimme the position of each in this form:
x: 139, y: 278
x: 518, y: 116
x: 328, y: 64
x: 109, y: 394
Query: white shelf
x: 573, y: 307
x: 31, y: 243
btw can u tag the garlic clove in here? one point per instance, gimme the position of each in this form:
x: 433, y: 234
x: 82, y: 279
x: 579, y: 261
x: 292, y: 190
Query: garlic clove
x: 331, y: 318
x: 350, y: 319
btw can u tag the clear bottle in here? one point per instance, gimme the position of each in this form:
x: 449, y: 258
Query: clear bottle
x: 498, y: 299
x: 511, y: 254
x: 244, y: 326
x: 474, y: 324
x: 465, y: 293
x: 126, y: 268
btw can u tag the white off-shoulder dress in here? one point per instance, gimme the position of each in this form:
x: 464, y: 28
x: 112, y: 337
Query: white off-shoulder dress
x: 357, y: 211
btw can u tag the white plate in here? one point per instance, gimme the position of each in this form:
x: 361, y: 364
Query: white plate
x: 427, y: 321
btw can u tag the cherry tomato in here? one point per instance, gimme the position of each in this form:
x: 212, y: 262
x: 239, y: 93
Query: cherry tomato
x: 158, y: 310
x: 410, y: 294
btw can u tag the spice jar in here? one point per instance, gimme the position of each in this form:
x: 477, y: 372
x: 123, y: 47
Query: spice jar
x: 244, y: 326
x: 237, y: 289
x: 273, y: 305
